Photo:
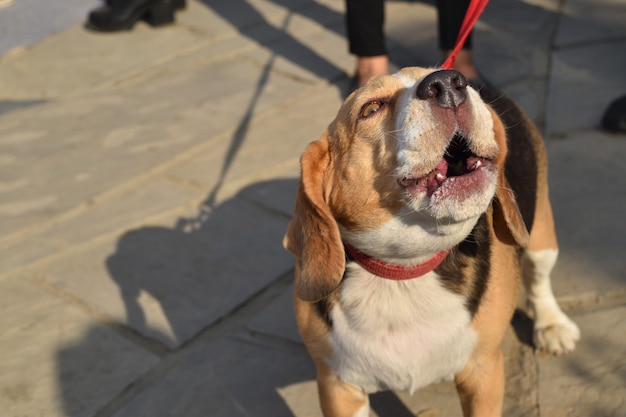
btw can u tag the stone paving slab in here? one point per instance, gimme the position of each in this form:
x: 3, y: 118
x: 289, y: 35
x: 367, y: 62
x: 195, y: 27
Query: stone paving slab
x: 229, y: 378
x: 312, y: 62
x: 244, y: 15
x: 196, y: 15
x: 57, y: 361
x: 586, y: 22
x: 518, y: 71
x: 278, y: 319
x: 25, y: 22
x: 265, y: 147
x: 278, y: 194
x: 95, y: 58
x: 583, y: 82
x: 92, y: 221
x: 105, y: 58
x: 586, y: 172
x: 239, y: 157
x: 170, y: 281
x: 592, y: 380
x: 93, y: 145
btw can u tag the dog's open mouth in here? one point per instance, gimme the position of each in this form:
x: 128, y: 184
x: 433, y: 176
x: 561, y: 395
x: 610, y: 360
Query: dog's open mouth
x: 458, y: 162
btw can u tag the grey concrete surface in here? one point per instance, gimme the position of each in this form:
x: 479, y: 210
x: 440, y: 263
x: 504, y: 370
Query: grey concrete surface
x: 147, y: 177
x: 24, y: 23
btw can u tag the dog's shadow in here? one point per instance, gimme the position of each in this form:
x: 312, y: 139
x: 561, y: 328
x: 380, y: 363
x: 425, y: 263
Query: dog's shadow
x: 523, y: 326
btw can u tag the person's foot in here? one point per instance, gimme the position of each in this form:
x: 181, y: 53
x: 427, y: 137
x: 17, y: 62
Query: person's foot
x: 368, y: 67
x: 120, y: 15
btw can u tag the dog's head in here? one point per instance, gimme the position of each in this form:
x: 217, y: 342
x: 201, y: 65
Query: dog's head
x: 407, y: 167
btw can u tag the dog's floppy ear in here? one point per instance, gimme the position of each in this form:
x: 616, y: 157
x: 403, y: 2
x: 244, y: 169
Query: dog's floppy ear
x: 508, y: 223
x: 313, y: 234
x: 507, y: 219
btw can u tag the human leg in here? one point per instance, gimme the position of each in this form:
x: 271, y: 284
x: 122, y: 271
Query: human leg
x: 450, y: 18
x: 364, y: 22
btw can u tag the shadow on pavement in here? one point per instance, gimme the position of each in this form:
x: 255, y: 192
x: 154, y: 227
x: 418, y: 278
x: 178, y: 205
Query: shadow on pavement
x: 276, y: 38
x: 7, y: 106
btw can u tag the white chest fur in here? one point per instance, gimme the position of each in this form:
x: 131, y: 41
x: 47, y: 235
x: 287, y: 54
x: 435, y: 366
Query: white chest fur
x: 398, y: 335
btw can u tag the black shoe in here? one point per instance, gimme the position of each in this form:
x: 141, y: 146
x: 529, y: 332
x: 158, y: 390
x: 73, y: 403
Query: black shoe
x: 614, y: 119
x: 178, y: 4
x: 123, y: 14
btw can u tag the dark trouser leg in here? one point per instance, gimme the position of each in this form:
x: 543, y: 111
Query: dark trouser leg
x: 451, y: 14
x: 364, y: 22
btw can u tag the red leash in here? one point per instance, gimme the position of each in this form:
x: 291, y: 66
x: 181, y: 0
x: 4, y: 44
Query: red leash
x: 474, y: 10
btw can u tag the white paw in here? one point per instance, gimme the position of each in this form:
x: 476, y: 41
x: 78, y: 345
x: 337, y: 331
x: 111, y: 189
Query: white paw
x: 558, y: 337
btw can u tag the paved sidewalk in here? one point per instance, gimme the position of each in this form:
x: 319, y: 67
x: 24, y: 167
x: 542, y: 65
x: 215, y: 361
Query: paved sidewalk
x: 147, y: 178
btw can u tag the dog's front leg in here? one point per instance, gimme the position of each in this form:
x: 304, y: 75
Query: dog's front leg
x: 554, y: 331
x: 337, y: 398
x: 481, y: 386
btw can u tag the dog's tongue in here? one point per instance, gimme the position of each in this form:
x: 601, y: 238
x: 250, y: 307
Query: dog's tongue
x: 436, y: 177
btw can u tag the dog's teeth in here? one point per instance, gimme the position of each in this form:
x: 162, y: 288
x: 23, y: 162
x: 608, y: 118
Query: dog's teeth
x: 474, y: 163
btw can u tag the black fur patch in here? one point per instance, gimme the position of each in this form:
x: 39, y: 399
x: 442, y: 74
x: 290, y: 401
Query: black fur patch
x: 466, y: 269
x: 520, y: 167
x: 323, y: 308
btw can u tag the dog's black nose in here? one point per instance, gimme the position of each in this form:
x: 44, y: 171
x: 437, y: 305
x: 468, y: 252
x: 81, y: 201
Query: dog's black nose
x: 447, y: 86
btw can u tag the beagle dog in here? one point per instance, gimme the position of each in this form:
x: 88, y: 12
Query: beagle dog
x: 419, y: 212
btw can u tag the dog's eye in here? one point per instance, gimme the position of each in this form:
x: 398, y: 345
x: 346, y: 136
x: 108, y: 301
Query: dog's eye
x: 370, y: 108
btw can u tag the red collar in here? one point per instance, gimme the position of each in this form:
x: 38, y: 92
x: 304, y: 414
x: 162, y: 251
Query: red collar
x: 391, y: 271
